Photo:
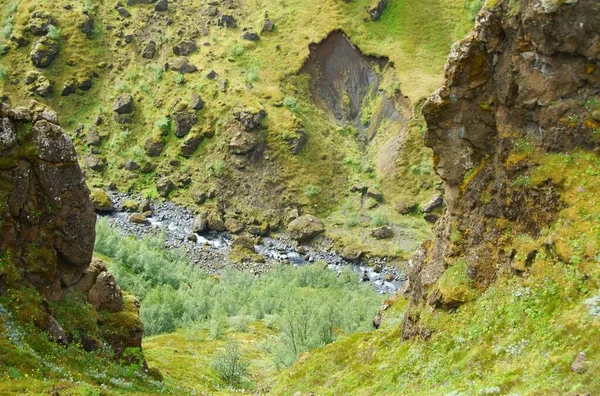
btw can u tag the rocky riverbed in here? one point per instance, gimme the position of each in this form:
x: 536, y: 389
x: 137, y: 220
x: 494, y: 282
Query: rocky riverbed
x: 210, y: 250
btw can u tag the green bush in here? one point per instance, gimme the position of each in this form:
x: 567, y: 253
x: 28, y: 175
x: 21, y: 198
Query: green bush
x: 252, y: 75
x: 312, y: 191
x: 230, y: 365
x: 307, y: 306
x: 53, y: 32
x: 380, y: 220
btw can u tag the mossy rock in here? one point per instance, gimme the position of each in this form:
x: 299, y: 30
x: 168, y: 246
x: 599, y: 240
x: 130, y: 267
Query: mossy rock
x: 101, y: 201
x: 130, y: 205
x: 122, y: 329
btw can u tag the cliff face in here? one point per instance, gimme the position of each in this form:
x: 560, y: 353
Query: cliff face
x: 47, y: 238
x: 522, y: 86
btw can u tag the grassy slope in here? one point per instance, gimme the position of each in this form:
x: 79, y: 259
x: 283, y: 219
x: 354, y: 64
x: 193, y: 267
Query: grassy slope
x: 416, y: 36
x: 520, y: 336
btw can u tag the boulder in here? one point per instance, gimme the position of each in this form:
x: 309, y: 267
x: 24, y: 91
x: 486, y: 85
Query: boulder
x: 305, y: 228
x: 249, y: 118
x: 39, y: 23
x: 211, y: 75
x: 405, y: 207
x: 95, y: 162
x: 297, y: 141
x: 435, y: 202
x: 130, y: 205
x: 138, y: 218
x: 234, y: 226
x: 351, y: 253
x: 189, y: 146
x: 93, y: 138
x: 86, y: 25
x: 244, y: 242
x: 374, y: 193
x: 131, y: 165
x: 101, y: 201
x: 250, y: 36
x: 149, y: 50
x: 210, y: 11
x: 200, y: 223
x: 154, y: 146
x: 8, y: 135
x: 227, y: 21
x: 185, y: 48
x: 215, y: 221
x: 164, y: 186
x: 106, y: 294
x: 44, y: 51
x: 243, y: 143
x: 184, y: 121
x: 196, y: 103
x: 161, y: 5
x: 384, y: 232
x: 43, y: 87
x: 377, y: 9
x: 183, y: 66
x: 123, y: 12
x: 579, y: 365
x: 268, y: 25
x: 123, y: 104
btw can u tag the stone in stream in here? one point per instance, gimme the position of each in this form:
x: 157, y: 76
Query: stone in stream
x: 200, y: 223
x: 101, y: 201
x: 234, y: 226
x: 351, y: 253
x: 215, y: 221
x: 164, y: 186
x: 138, y: 218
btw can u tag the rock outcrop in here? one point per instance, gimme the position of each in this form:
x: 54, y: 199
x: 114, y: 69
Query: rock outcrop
x: 521, y: 77
x: 48, y: 230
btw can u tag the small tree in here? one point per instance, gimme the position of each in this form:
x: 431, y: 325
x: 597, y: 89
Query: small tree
x: 231, y: 367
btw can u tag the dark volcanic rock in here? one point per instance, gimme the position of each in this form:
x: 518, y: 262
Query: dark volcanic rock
x: 185, y: 48
x: 39, y: 23
x: 250, y: 36
x: 196, y: 103
x: 183, y: 66
x: 227, y: 21
x: 384, y: 232
x: 161, y: 5
x: 189, y: 146
x: 249, y: 118
x: 184, y: 121
x: 149, y: 50
x: 44, y: 51
x: 123, y: 104
x: 376, y: 10
x: 154, y: 146
x: 87, y: 25
x: 268, y: 26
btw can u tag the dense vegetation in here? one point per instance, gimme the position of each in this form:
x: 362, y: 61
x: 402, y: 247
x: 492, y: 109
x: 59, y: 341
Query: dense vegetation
x: 308, y: 307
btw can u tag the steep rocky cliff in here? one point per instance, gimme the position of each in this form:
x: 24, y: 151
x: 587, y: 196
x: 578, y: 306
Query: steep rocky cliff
x: 47, y: 275
x: 521, y: 87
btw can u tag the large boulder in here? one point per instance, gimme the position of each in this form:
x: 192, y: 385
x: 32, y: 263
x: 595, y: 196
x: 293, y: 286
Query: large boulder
x: 305, y: 227
x: 377, y: 9
x: 185, y: 48
x: 200, y: 223
x: 164, y: 186
x: 183, y: 66
x: 123, y: 104
x: 44, y: 51
x: 39, y: 23
x: 101, y: 201
x: 184, y: 121
x: 249, y: 118
x: 215, y: 221
x: 154, y: 146
x: 106, y: 294
x: 149, y: 50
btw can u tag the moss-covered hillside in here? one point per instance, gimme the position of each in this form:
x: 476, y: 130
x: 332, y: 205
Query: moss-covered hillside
x: 190, y: 68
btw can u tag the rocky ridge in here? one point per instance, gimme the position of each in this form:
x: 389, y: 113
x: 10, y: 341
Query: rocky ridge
x: 520, y: 87
x: 47, y: 238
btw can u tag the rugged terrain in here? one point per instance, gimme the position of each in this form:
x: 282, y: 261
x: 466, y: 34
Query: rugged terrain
x: 53, y: 294
x: 231, y: 128
x: 504, y: 299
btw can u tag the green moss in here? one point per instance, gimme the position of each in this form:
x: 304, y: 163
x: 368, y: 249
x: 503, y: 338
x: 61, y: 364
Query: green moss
x: 77, y: 317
